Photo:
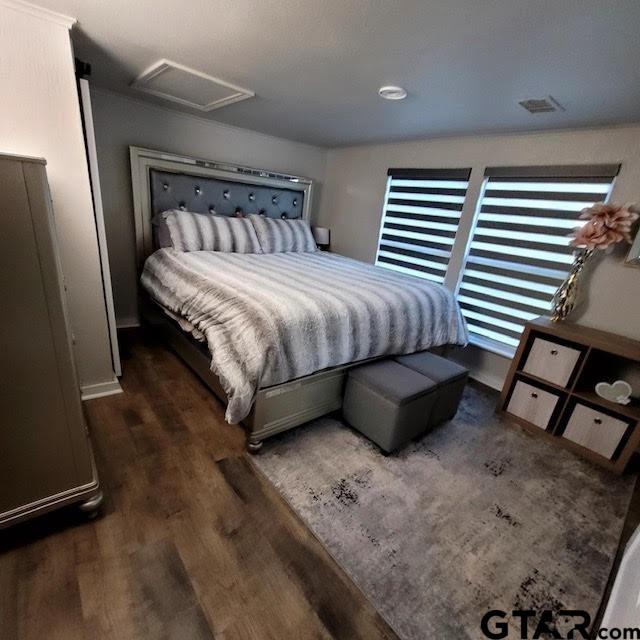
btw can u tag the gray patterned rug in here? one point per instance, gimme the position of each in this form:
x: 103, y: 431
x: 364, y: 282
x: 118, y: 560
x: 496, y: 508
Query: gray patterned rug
x: 476, y: 516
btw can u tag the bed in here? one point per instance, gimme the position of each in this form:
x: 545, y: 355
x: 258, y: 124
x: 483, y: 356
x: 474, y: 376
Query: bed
x: 272, y: 334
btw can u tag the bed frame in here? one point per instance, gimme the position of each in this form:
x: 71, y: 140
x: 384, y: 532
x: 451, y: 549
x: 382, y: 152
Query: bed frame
x: 164, y: 181
x: 277, y: 408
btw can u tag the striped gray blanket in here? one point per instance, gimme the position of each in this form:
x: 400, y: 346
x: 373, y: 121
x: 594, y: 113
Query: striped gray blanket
x: 270, y: 318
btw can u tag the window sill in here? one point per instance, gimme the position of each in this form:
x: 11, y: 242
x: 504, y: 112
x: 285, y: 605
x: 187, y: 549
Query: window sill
x: 488, y: 345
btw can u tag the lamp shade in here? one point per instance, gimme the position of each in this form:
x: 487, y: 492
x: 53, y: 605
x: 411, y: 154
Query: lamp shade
x: 321, y: 235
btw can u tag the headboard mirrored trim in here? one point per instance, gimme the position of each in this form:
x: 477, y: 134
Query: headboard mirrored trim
x: 143, y: 160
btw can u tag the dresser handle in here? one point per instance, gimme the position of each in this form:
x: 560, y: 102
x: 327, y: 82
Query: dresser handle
x: 554, y: 352
x: 534, y: 394
x: 598, y: 420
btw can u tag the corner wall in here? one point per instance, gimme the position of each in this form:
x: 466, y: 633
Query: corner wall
x: 354, y: 190
x: 40, y: 116
x: 120, y: 122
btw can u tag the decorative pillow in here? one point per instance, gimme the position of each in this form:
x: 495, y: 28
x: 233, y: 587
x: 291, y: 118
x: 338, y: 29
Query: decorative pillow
x: 206, y: 232
x: 277, y: 236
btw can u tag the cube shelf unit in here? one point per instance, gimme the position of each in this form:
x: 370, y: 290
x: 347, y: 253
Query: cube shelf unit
x: 550, y: 390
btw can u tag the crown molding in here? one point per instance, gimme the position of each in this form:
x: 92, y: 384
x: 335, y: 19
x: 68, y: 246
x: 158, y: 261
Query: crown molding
x: 39, y: 12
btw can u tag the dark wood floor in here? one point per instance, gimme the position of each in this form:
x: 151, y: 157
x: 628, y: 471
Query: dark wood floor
x: 191, y: 543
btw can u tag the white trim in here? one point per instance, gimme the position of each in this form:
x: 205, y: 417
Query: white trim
x: 40, y: 12
x: 100, y: 389
x: 158, y: 68
x: 382, y: 217
x: 478, y: 370
x: 499, y: 349
x: 92, y: 153
x: 489, y: 381
x: 467, y: 241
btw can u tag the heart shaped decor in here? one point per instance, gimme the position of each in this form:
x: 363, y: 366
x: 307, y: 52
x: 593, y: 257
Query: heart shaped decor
x: 618, y: 392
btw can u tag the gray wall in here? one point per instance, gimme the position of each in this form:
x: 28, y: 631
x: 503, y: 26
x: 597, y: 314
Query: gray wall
x: 350, y: 189
x: 120, y: 122
x: 353, y: 193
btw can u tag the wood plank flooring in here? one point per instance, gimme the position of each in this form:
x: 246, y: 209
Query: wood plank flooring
x: 191, y: 543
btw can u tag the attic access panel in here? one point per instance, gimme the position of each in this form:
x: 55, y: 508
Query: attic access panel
x: 177, y: 83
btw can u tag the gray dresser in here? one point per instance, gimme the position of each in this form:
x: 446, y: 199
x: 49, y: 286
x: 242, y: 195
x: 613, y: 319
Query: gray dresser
x: 45, y: 454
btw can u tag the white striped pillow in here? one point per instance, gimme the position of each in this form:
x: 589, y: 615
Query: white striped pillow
x: 276, y: 235
x: 205, y: 232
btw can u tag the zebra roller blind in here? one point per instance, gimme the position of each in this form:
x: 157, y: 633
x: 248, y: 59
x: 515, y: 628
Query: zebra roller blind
x: 420, y: 219
x: 519, y: 251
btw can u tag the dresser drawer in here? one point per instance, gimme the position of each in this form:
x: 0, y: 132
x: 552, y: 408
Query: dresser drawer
x: 595, y: 430
x: 532, y: 404
x: 551, y: 361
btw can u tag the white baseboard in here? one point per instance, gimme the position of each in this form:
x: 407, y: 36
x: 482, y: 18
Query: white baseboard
x: 109, y: 388
x: 484, y: 366
x: 489, y: 381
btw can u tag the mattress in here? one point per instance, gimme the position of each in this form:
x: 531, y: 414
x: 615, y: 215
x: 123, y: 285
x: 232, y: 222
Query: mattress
x: 271, y: 318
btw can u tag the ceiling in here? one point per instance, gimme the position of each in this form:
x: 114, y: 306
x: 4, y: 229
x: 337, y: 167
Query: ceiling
x: 315, y: 66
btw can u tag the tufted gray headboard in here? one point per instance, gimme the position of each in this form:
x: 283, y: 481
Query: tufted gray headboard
x: 163, y: 181
x: 222, y: 197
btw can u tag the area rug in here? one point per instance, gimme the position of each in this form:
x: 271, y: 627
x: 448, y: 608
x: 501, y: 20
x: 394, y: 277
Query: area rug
x: 478, y: 515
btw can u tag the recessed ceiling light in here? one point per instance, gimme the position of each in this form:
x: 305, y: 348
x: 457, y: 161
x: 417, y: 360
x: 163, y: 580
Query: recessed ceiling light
x: 392, y: 93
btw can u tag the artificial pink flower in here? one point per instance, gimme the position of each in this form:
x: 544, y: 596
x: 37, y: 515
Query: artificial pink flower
x: 607, y: 224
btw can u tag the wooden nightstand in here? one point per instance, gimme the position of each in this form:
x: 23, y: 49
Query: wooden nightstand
x: 550, y: 390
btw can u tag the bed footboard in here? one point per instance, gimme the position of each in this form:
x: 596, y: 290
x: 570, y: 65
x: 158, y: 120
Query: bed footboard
x: 293, y: 403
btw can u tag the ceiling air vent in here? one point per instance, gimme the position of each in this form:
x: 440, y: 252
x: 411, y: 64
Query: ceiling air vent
x: 177, y: 83
x: 541, y: 105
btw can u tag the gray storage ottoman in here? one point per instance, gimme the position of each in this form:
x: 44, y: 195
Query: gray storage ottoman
x: 449, y: 376
x: 388, y: 402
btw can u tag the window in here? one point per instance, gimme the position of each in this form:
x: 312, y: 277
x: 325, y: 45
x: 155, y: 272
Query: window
x: 519, y: 250
x: 421, y: 213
